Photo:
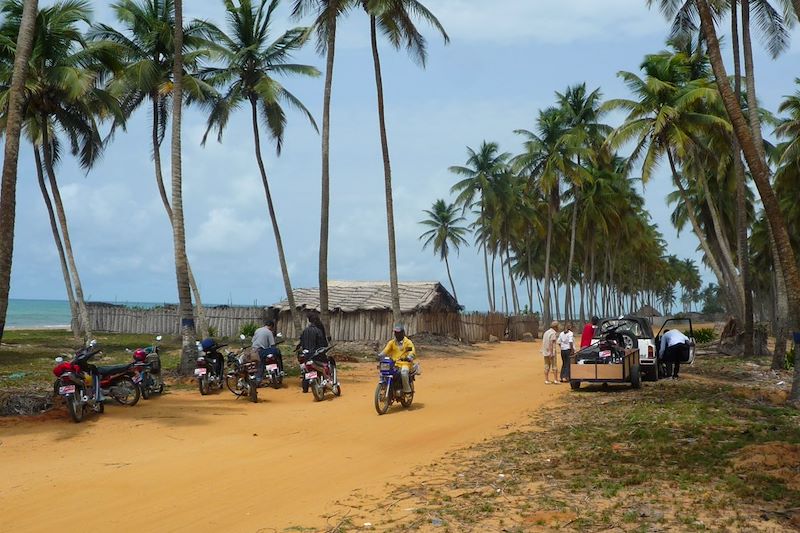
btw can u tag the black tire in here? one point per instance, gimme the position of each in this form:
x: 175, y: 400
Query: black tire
x: 636, y: 377
x: 277, y: 381
x: 318, y: 390
x: 304, y: 385
x: 125, y: 392
x: 252, y: 391
x: 75, y: 407
x: 407, y: 399
x: 382, y: 399
x: 99, y: 408
x: 337, y: 390
x: 144, y: 387
x: 232, y: 382
x: 202, y: 384
x: 650, y: 373
x: 574, y: 384
x: 160, y: 388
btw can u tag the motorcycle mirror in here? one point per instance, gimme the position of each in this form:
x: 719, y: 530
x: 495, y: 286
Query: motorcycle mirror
x: 59, y: 359
x: 242, y: 336
x: 159, y: 337
x: 279, y: 335
x: 93, y: 343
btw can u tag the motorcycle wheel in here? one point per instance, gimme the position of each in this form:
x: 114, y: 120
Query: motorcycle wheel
x: 75, y: 408
x: 337, y: 390
x: 160, y: 388
x: 144, y: 387
x: 125, y: 392
x: 253, y: 391
x: 276, y: 380
x: 318, y: 390
x: 202, y: 384
x: 382, y: 398
x: 232, y: 382
x: 99, y: 408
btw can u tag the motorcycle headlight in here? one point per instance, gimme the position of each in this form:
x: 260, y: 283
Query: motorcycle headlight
x: 386, y: 366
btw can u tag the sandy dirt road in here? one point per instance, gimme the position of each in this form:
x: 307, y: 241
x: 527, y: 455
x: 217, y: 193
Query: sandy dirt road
x: 184, y: 462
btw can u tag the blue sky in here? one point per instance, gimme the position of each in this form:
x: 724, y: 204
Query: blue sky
x: 504, y: 63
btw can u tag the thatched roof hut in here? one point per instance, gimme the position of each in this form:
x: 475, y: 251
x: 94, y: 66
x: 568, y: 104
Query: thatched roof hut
x: 647, y: 311
x: 351, y: 296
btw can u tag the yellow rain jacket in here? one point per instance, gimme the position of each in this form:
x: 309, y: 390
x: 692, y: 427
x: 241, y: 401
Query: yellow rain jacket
x: 398, y: 352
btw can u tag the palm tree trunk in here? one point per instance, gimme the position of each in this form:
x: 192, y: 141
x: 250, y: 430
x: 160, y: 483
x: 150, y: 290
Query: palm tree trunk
x: 724, y: 245
x: 573, y: 230
x: 387, y: 174
x: 546, y: 315
x: 781, y: 322
x: 488, y: 283
x: 452, y: 285
x: 276, y: 230
x: 8, y: 188
x: 75, y: 322
x: 62, y: 220
x: 185, y: 309
x: 760, y: 173
x: 750, y: 82
x: 198, y: 302
x: 741, y: 201
x: 325, y: 185
x: 494, y: 283
x: 503, y: 279
x: 514, y: 296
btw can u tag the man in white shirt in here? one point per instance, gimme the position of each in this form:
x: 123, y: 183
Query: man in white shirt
x: 674, y: 350
x: 549, y: 352
x: 566, y: 341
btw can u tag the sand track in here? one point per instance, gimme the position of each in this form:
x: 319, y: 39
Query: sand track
x: 185, y: 462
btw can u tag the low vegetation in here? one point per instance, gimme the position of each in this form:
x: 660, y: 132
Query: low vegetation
x: 683, y: 456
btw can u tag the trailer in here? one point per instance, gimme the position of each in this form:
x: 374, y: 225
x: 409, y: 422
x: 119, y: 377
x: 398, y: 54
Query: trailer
x: 621, y: 370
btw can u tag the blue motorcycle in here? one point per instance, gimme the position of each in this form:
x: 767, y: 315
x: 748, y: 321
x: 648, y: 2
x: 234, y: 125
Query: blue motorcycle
x: 390, y: 386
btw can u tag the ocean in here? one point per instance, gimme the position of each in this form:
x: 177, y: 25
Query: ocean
x: 44, y: 313
x: 37, y: 313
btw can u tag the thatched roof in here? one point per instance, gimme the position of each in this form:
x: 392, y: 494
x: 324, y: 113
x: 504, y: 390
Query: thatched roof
x: 351, y: 296
x: 647, y: 311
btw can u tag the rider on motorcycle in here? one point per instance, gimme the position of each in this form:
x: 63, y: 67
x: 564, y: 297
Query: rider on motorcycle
x: 264, y: 344
x: 401, y: 350
x: 311, y: 339
x: 211, y: 350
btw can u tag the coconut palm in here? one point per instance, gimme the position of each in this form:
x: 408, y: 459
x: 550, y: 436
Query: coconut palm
x: 445, y: 233
x: 13, y: 126
x: 64, y: 95
x: 481, y: 168
x: 145, y: 42
x: 326, y: 13
x: 185, y: 310
x: 396, y: 21
x: 250, y: 62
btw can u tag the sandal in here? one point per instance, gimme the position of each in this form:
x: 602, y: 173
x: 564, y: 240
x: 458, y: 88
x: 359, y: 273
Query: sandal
x: 546, y: 382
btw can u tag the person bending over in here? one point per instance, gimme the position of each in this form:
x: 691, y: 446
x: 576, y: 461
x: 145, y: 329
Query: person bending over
x: 674, y: 350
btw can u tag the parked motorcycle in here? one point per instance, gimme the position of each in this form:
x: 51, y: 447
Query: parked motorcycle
x: 273, y: 377
x: 209, y: 366
x: 241, y: 378
x: 390, y: 386
x: 84, y: 385
x: 147, y: 362
x: 318, y: 371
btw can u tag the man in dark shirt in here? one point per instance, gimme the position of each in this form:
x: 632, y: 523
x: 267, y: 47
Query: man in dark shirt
x: 312, y: 339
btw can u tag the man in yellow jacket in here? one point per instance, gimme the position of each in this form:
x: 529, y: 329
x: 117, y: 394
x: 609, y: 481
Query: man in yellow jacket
x: 401, y: 350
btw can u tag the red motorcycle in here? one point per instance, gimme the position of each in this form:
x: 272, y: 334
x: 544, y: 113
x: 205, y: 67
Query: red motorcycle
x: 318, y: 371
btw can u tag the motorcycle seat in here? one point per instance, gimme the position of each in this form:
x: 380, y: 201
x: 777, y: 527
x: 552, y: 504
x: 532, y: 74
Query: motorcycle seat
x: 115, y: 369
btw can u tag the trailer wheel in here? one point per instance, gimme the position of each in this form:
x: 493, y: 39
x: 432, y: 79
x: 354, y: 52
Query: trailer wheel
x: 575, y: 384
x: 636, y: 377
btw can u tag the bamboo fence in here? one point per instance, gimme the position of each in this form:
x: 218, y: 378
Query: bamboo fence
x: 365, y: 325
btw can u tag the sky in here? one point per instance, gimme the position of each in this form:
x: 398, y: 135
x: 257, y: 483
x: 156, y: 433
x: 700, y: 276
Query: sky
x: 505, y: 61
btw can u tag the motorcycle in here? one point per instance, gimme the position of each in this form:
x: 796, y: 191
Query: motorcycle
x: 273, y: 377
x: 147, y: 362
x: 241, y: 378
x: 318, y: 371
x: 84, y: 385
x: 209, y: 365
x: 390, y: 386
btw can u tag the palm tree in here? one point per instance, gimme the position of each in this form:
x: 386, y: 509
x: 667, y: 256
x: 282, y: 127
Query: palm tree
x: 185, y: 310
x: 327, y: 13
x: 445, y: 232
x: 250, y: 62
x: 482, y: 167
x: 64, y: 94
x: 13, y: 126
x: 760, y: 172
x: 146, y: 44
x: 395, y: 19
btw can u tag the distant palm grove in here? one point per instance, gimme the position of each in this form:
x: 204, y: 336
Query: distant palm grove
x: 559, y: 221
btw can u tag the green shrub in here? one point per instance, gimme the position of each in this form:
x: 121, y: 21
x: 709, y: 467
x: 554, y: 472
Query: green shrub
x: 703, y: 335
x: 212, y: 331
x: 248, y: 330
x: 790, y: 357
